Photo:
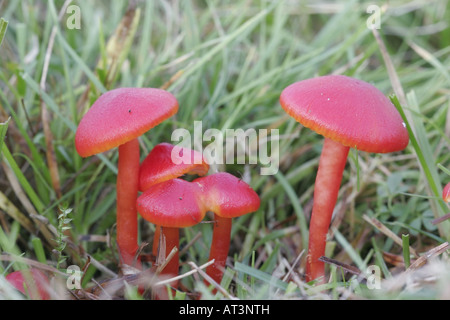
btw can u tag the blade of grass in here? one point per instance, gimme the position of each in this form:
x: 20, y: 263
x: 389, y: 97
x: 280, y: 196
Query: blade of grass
x: 81, y: 63
x: 428, y: 167
x: 54, y: 107
x: 119, y: 45
x: 356, y: 258
x: 444, y: 169
x: 260, y: 275
x: 11, y: 210
x: 242, y: 30
x: 379, y: 258
x: 382, y: 228
x: 417, y: 134
x: 3, y: 28
x: 427, y: 56
x: 18, y: 184
x: 62, y: 41
x: 406, y: 253
x: 22, y: 180
x: 304, y: 232
x: 37, y: 158
x: 39, y: 250
x: 3, y: 129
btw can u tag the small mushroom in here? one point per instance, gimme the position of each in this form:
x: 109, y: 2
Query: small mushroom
x: 172, y: 204
x: 227, y: 197
x: 349, y: 113
x: 117, y: 119
x: 158, y: 166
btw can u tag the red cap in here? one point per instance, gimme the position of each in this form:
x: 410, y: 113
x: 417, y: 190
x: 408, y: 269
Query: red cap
x: 158, y: 166
x: 227, y: 196
x: 347, y: 110
x: 173, y: 203
x: 39, y: 279
x: 121, y: 115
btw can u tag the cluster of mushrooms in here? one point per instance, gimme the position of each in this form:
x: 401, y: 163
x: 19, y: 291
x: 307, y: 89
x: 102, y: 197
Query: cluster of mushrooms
x: 348, y: 112
x: 117, y: 119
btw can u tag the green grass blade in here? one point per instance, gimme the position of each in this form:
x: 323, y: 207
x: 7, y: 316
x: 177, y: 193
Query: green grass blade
x: 22, y: 180
x: 3, y: 28
x: 297, y: 208
x: 3, y: 129
x: 260, y: 275
x: 240, y: 32
x: 423, y: 151
x: 406, y: 253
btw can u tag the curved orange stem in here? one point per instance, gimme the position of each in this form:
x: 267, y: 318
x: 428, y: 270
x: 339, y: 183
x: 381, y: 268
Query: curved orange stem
x: 172, y: 236
x: 155, y: 244
x: 219, y: 248
x: 328, y: 180
x: 127, y: 191
x: 172, y: 240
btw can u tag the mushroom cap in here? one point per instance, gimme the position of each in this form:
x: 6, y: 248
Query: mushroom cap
x: 227, y: 196
x: 121, y: 115
x: 446, y: 193
x: 173, y: 203
x: 347, y: 110
x: 20, y: 281
x: 159, y: 166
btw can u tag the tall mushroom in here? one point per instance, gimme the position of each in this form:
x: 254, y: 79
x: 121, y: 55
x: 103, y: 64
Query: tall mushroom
x: 227, y: 197
x: 172, y: 204
x: 117, y: 119
x: 159, y: 166
x: 349, y: 113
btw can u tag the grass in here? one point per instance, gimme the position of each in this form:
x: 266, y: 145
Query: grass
x: 227, y: 63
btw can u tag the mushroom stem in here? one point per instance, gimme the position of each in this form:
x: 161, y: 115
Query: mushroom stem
x: 172, y: 240
x: 172, y: 237
x: 219, y: 248
x: 127, y: 191
x: 328, y: 180
x: 156, y: 237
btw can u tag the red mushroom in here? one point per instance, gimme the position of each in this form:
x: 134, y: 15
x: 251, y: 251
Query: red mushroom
x: 349, y: 113
x: 228, y: 197
x: 159, y: 166
x: 32, y: 282
x: 446, y: 193
x: 117, y: 119
x: 172, y: 204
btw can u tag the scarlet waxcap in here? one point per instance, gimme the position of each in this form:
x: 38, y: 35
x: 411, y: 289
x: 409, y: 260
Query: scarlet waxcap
x: 227, y: 196
x: 121, y: 115
x: 159, y: 165
x: 446, y: 193
x: 347, y: 110
x: 173, y: 203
